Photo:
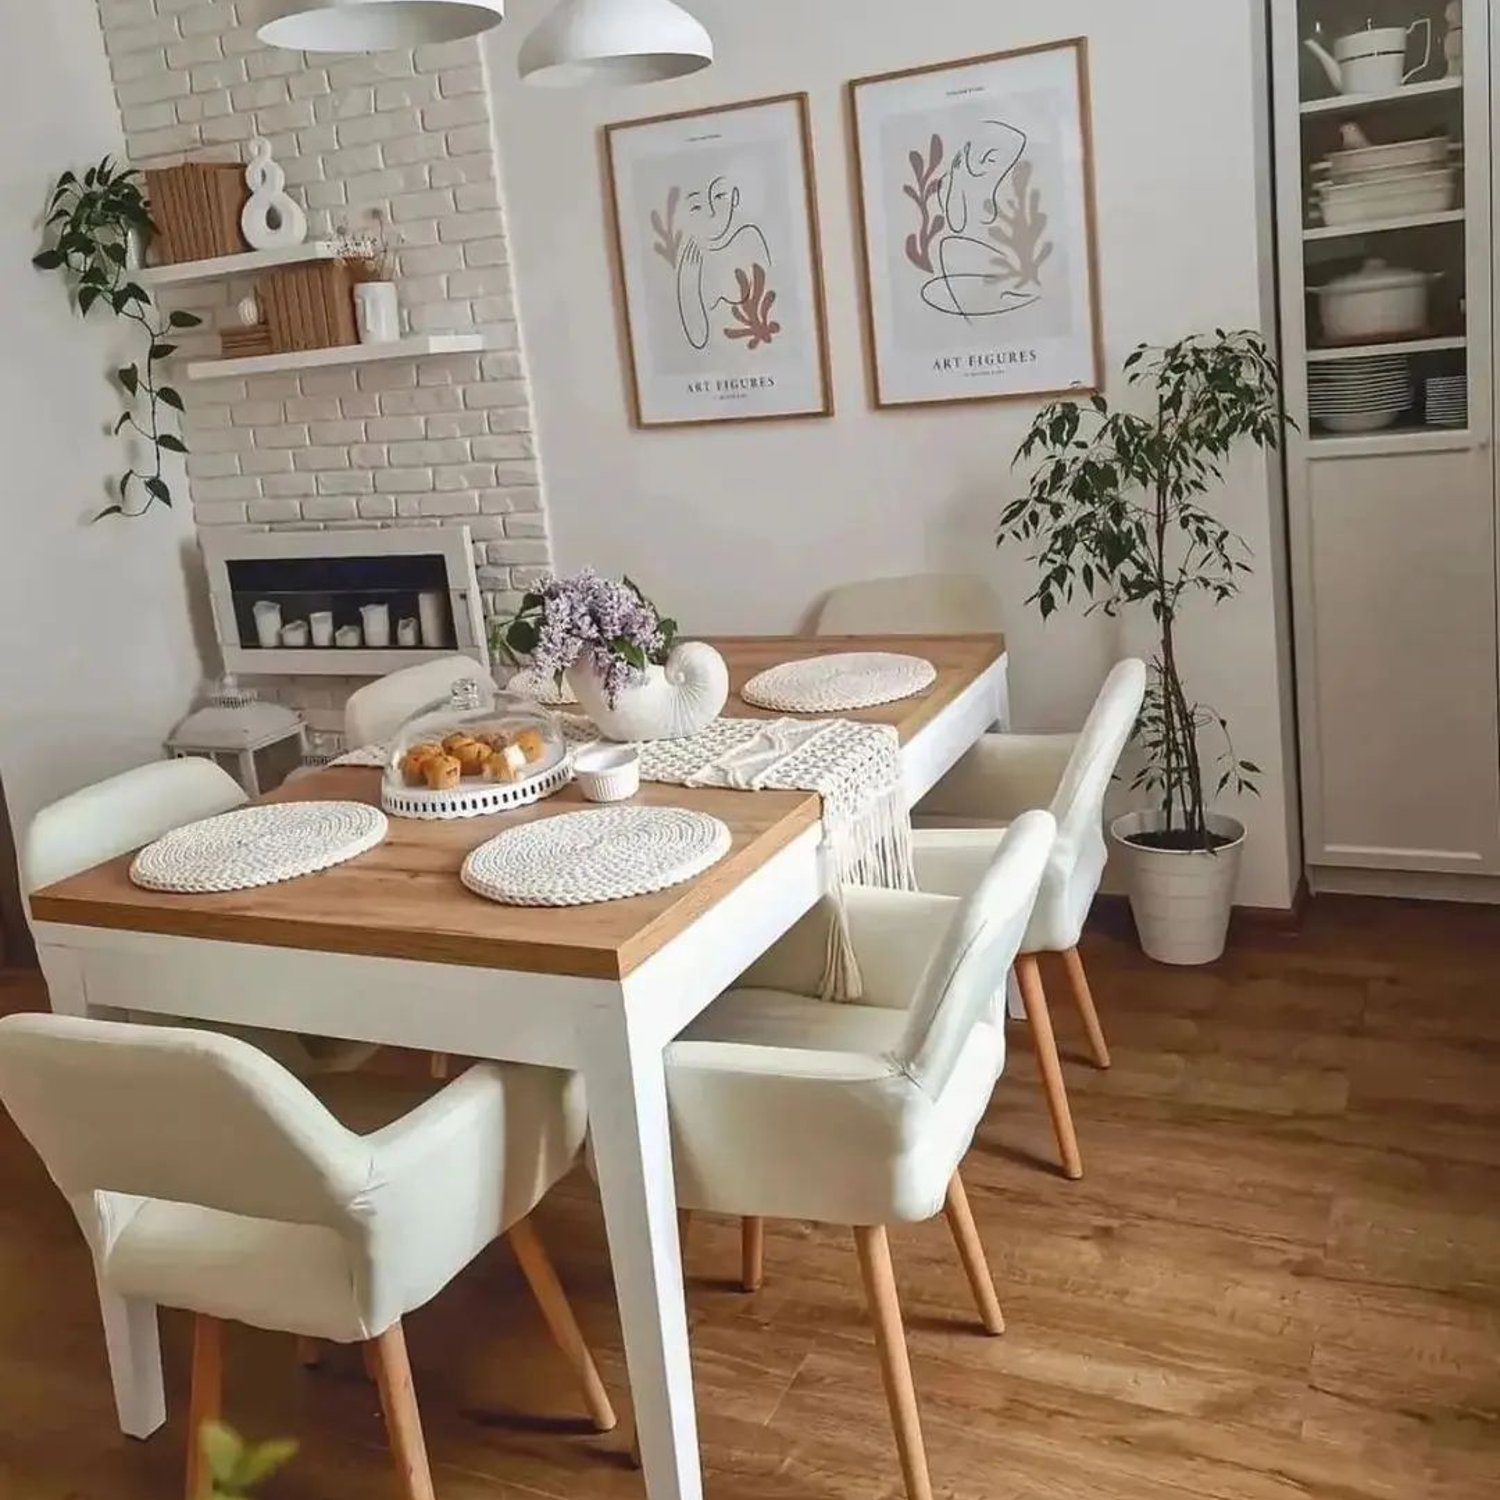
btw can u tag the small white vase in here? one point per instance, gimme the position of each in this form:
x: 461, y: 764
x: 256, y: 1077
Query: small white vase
x: 1180, y: 898
x: 669, y: 703
x: 377, y: 314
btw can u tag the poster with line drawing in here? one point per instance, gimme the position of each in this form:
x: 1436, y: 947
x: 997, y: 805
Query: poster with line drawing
x: 717, y: 250
x: 977, y: 218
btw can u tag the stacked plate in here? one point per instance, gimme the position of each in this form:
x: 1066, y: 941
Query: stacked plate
x: 1360, y: 395
x: 1368, y: 183
x: 1446, y: 401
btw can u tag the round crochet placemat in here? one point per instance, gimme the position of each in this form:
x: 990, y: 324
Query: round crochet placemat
x: 829, y: 684
x: 579, y: 858
x: 258, y: 846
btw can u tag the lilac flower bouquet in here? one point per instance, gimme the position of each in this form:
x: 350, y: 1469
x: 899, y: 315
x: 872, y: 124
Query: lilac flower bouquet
x: 592, y: 621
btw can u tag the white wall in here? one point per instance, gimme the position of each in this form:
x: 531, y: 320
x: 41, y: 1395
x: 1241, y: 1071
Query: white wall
x: 744, y: 528
x: 97, y: 659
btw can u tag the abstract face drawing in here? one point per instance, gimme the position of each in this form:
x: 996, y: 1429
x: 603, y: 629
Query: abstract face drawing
x: 980, y: 240
x: 721, y: 260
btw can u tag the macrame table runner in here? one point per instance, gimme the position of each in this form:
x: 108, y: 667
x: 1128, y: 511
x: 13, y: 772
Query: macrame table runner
x: 255, y: 846
x: 854, y: 768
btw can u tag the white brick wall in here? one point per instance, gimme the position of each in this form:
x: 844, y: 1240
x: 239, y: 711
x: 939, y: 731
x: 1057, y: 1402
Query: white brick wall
x: 425, y: 442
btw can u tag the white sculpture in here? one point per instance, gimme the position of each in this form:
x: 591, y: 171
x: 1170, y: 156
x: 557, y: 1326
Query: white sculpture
x: 669, y: 703
x: 272, y: 219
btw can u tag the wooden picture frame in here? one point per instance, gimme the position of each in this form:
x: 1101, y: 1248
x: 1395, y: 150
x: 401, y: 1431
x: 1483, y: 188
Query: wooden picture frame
x: 718, y: 264
x: 974, y: 183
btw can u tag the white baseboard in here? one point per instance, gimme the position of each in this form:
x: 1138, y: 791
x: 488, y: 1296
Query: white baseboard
x: 1415, y: 885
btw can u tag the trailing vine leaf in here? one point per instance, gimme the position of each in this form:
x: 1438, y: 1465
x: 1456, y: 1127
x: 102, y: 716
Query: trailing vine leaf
x: 89, y: 225
x: 753, y: 310
x: 236, y: 1467
x: 924, y: 190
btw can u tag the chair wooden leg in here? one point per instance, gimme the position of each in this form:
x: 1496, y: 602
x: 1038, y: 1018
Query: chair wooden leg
x: 1034, y: 998
x: 206, y: 1402
x: 752, y: 1254
x: 684, y: 1223
x: 309, y: 1352
x: 895, y: 1367
x: 386, y: 1357
x: 557, y: 1313
x: 971, y: 1252
x: 1083, y: 997
x: 439, y: 1064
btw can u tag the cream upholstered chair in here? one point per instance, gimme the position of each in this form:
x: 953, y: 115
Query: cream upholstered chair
x: 114, y: 816
x: 206, y: 1177
x: 913, y: 604
x: 377, y: 710
x: 1070, y: 774
x: 786, y: 1106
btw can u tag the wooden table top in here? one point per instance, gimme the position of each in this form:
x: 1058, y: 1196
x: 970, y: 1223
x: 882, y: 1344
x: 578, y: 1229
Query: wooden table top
x: 404, y: 899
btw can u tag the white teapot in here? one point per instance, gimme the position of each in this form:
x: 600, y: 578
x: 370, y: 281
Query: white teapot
x: 1372, y: 61
x: 669, y: 703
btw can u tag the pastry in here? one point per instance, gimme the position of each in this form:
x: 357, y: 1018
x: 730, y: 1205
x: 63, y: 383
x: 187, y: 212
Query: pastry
x: 443, y: 772
x: 414, y: 763
x: 531, y: 744
x: 457, y: 738
x: 471, y: 755
x: 506, y: 764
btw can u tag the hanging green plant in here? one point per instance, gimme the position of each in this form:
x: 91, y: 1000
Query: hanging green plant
x: 90, y: 225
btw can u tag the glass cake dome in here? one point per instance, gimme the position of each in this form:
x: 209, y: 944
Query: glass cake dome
x: 458, y: 758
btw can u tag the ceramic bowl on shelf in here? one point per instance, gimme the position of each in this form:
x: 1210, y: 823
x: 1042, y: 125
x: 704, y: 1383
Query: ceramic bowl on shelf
x: 1372, y: 197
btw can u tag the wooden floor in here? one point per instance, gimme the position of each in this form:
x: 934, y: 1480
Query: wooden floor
x: 1279, y: 1278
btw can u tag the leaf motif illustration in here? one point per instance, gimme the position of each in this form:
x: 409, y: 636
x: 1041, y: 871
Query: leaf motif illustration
x: 1019, y: 233
x: 924, y: 189
x: 752, y: 313
x: 668, y: 236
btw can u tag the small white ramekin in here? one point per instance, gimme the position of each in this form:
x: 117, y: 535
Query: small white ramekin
x: 608, y: 773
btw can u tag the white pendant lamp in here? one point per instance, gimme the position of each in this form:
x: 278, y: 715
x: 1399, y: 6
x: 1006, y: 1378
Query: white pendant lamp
x: 614, y: 42
x: 374, y: 25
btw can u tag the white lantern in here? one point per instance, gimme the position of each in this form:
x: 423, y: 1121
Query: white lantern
x: 259, y: 744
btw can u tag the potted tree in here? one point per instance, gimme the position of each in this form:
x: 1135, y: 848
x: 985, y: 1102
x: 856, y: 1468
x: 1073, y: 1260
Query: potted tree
x: 1116, y: 510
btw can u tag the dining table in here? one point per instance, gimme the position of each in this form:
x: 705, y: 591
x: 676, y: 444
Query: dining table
x: 390, y: 948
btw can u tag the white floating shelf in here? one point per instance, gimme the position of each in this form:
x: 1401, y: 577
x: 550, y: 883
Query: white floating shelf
x: 1342, y: 103
x: 417, y: 346
x: 331, y: 661
x: 1383, y: 226
x: 1392, y: 441
x: 1396, y: 346
x: 246, y: 264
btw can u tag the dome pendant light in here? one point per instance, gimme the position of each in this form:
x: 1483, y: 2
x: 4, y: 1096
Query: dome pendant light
x: 614, y: 42
x: 374, y: 25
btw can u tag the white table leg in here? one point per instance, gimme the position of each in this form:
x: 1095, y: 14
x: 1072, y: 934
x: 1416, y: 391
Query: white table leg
x: 627, y: 1097
x: 130, y: 1336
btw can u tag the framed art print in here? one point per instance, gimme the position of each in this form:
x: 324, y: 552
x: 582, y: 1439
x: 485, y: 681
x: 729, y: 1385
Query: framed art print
x: 976, y: 198
x: 719, y: 266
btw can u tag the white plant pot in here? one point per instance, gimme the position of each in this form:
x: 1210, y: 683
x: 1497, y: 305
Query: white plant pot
x: 670, y: 703
x: 1181, y: 899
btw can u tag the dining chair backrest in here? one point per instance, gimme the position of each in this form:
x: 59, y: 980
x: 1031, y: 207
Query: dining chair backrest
x: 1078, y: 803
x: 112, y: 817
x: 185, y: 1116
x: 977, y: 951
x: 376, y: 711
x: 915, y: 604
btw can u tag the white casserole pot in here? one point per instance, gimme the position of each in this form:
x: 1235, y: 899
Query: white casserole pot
x: 1377, y: 301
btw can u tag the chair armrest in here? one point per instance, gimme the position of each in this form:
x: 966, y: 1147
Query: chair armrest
x: 1003, y: 776
x: 893, y: 934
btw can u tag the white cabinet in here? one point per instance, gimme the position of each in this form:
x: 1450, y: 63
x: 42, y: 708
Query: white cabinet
x: 1393, y: 533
